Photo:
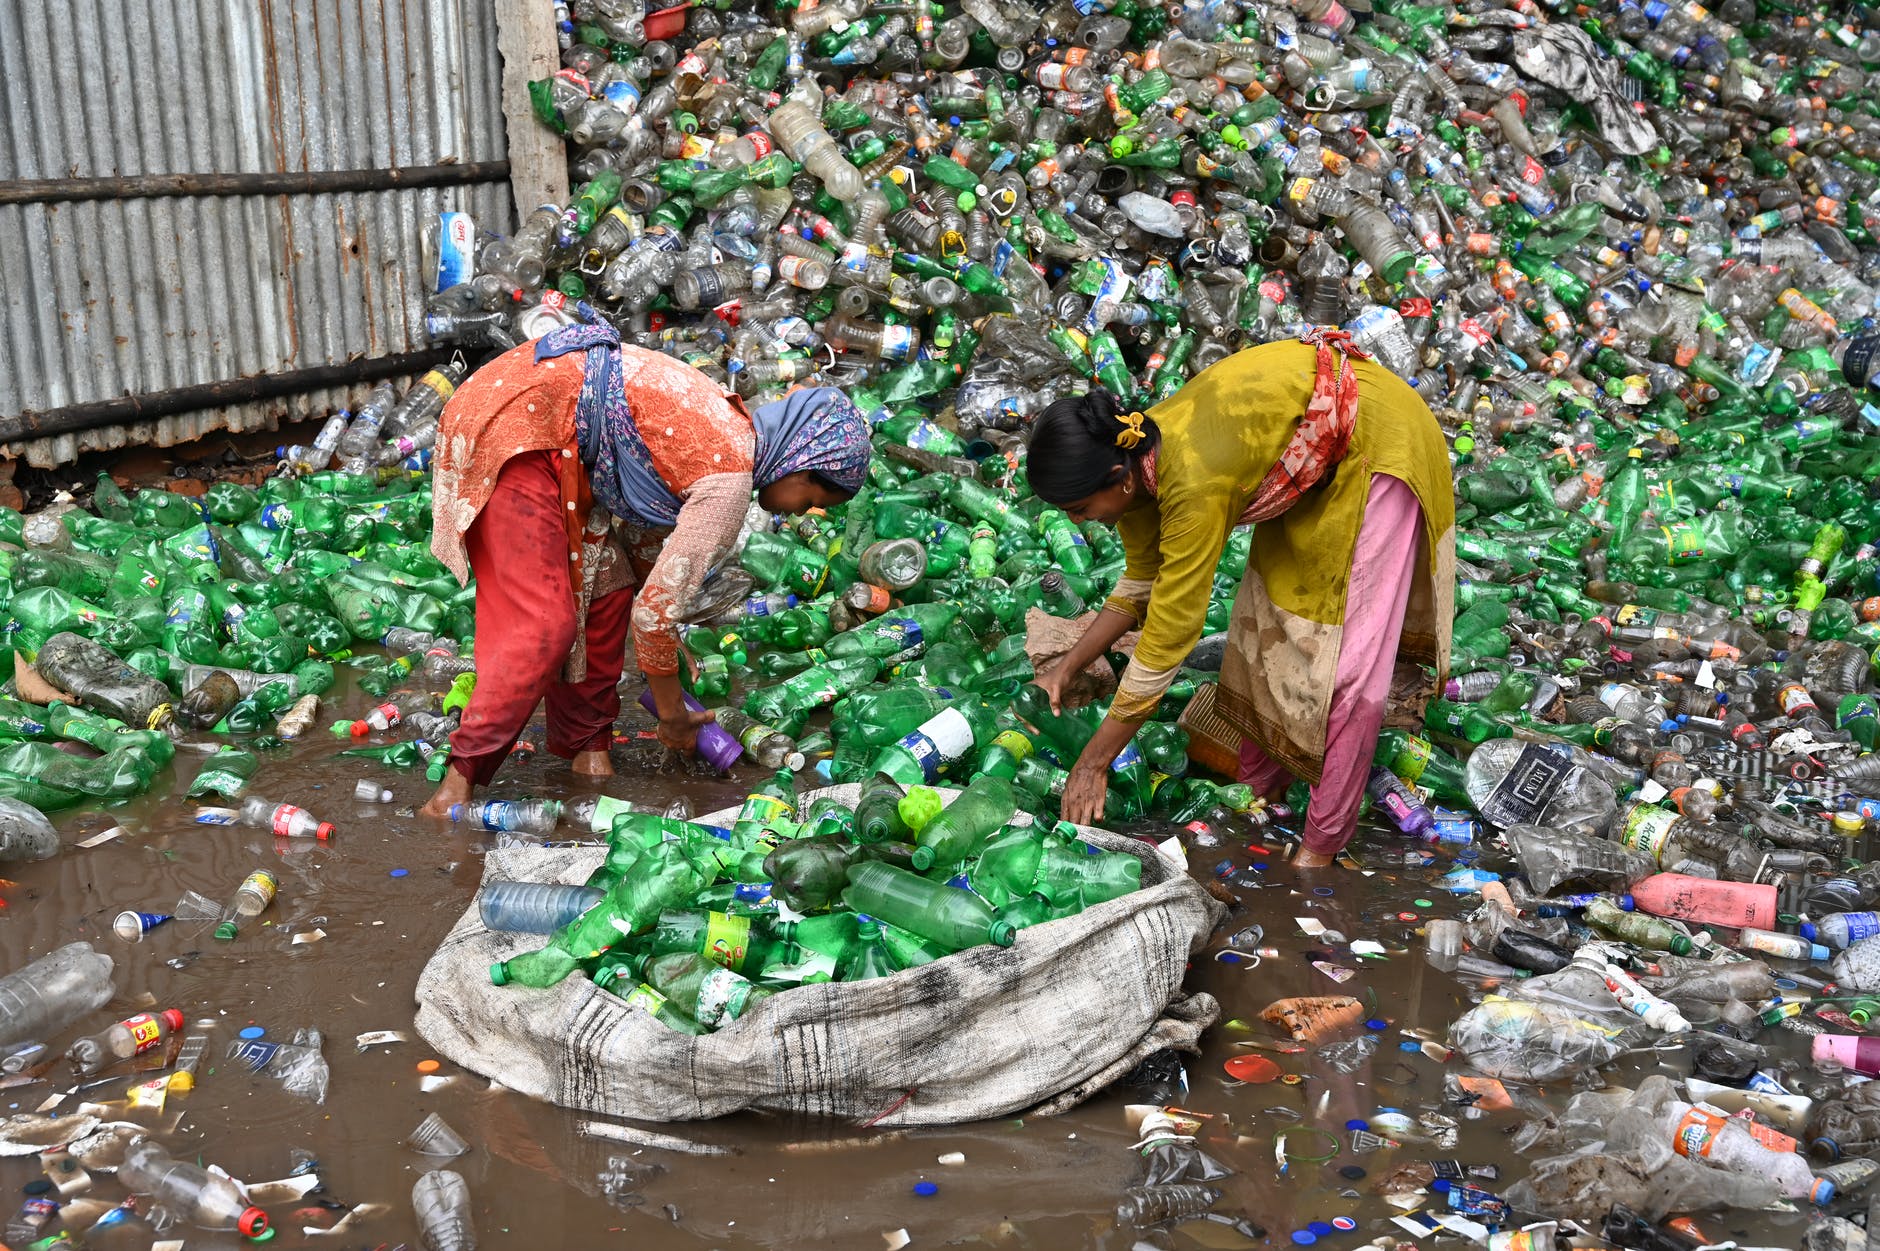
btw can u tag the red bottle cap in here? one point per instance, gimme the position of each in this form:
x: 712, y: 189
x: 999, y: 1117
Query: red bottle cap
x: 253, y: 1223
x: 173, y: 1018
x: 360, y: 729
x: 325, y: 831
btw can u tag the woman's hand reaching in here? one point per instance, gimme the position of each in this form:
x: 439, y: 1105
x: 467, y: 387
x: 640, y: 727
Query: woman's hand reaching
x: 1053, y: 682
x: 680, y: 731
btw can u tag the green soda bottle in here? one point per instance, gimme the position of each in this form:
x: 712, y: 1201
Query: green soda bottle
x: 895, y: 631
x: 747, y: 945
x: 1077, y: 873
x: 939, y: 744
x: 948, y: 918
x: 1064, y: 541
x: 876, y: 716
x: 1421, y: 763
x: 810, y: 873
x: 975, y: 814
x: 878, y: 813
x: 708, y: 993
x: 813, y: 688
x: 665, y: 877
x: 770, y: 806
x: 615, y: 970
x: 226, y: 773
x: 869, y: 957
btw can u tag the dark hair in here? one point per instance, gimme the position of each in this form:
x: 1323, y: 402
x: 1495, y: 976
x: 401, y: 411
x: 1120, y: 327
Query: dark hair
x: 1073, y: 453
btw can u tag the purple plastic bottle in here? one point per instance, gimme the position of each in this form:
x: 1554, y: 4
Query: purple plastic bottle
x: 715, y: 743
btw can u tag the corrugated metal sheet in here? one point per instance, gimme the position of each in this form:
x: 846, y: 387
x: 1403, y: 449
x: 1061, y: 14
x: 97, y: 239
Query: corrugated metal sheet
x: 108, y: 298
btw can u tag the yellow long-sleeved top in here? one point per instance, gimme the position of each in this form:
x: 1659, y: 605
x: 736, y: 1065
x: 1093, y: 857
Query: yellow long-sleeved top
x: 1220, y: 435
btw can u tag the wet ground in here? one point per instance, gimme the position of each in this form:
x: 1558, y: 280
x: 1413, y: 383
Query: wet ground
x: 389, y: 886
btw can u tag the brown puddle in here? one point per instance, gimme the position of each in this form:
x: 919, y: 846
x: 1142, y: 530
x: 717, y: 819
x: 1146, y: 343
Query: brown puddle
x: 1041, y: 1183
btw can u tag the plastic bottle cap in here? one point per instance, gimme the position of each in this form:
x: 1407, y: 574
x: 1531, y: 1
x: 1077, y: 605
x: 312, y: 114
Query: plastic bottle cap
x: 252, y: 1031
x: 172, y: 1018
x: 922, y: 858
x: 1357, y: 1123
x: 1628, y: 903
x: 1003, y: 933
x: 1321, y: 1228
x: 926, y: 1189
x: 359, y: 729
x: 1304, y: 1237
x: 326, y: 831
x: 225, y: 931
x: 182, y: 1082
x: 499, y: 973
x: 253, y: 1223
x: 1809, y: 931
x: 1822, y: 1193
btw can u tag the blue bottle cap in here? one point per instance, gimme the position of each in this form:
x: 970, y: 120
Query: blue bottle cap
x: 399, y: 872
x: 926, y: 1189
x: 1357, y: 1123
x: 1409, y: 1046
x: 1304, y: 1237
x: 1440, y: 1186
x: 1628, y: 903
x: 1321, y: 1228
x: 253, y: 1031
x: 1808, y: 930
x: 1377, y: 1023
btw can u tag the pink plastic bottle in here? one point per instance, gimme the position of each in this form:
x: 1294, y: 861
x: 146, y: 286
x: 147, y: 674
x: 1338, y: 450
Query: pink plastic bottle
x: 1703, y: 900
x: 1850, y: 1051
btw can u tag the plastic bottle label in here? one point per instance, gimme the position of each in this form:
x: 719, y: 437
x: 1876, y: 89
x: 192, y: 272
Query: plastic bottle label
x: 255, y: 1052
x: 282, y: 822
x: 1683, y: 543
x: 897, y: 342
x: 1016, y: 744
x: 646, y: 999
x: 500, y: 814
x: 763, y: 809
x: 1528, y: 787
x: 1697, y: 1133
x: 262, y: 883
x: 1861, y: 925
x: 727, y: 938
x: 444, y: 387
x: 1795, y: 700
x: 146, y: 1031
x: 721, y: 997
x: 456, y: 250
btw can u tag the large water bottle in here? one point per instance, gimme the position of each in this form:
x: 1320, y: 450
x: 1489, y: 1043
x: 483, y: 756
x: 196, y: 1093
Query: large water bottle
x: 41, y: 999
x: 534, y: 907
x: 25, y: 834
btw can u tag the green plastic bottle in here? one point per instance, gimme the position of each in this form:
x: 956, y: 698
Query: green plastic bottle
x: 975, y: 814
x: 665, y: 877
x: 948, y: 918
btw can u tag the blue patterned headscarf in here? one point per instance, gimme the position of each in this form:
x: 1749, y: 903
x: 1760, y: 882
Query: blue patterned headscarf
x: 816, y: 429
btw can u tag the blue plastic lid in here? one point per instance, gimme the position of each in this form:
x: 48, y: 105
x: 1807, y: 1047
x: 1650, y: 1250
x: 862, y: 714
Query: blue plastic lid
x: 926, y: 1188
x: 1377, y: 1023
x: 1321, y: 1228
x: 1440, y: 1186
x: 1357, y: 1123
x: 1628, y: 903
x: 1808, y: 930
x: 253, y: 1031
x: 1304, y: 1237
x: 1668, y: 726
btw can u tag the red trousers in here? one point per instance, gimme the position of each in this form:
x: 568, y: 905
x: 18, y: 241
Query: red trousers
x: 518, y: 548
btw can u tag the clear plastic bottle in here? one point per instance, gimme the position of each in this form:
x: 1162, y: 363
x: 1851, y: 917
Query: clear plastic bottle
x: 800, y: 133
x: 204, y: 1199
x: 526, y: 816
x: 40, y: 999
x: 363, y: 434
x: 441, y: 1201
x: 130, y: 1037
x: 250, y: 900
x: 534, y: 907
x: 25, y: 834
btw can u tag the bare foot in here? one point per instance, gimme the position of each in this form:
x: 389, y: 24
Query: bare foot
x: 455, y: 789
x: 1307, y: 859
x: 593, y: 764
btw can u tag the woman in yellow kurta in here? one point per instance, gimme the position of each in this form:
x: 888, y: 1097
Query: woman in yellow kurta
x: 1346, y: 474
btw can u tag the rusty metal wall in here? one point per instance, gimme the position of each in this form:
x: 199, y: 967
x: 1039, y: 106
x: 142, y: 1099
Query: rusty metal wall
x: 105, y: 298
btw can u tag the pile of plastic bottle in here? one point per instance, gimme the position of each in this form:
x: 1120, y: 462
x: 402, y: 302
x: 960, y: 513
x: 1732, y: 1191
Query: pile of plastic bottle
x: 871, y: 887
x: 1620, y: 249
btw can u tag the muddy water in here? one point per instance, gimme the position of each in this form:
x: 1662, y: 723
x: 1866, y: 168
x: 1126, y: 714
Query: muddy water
x: 389, y: 886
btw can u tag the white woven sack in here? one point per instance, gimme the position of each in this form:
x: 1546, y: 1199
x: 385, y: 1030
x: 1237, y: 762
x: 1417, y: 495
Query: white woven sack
x: 1038, y: 1026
